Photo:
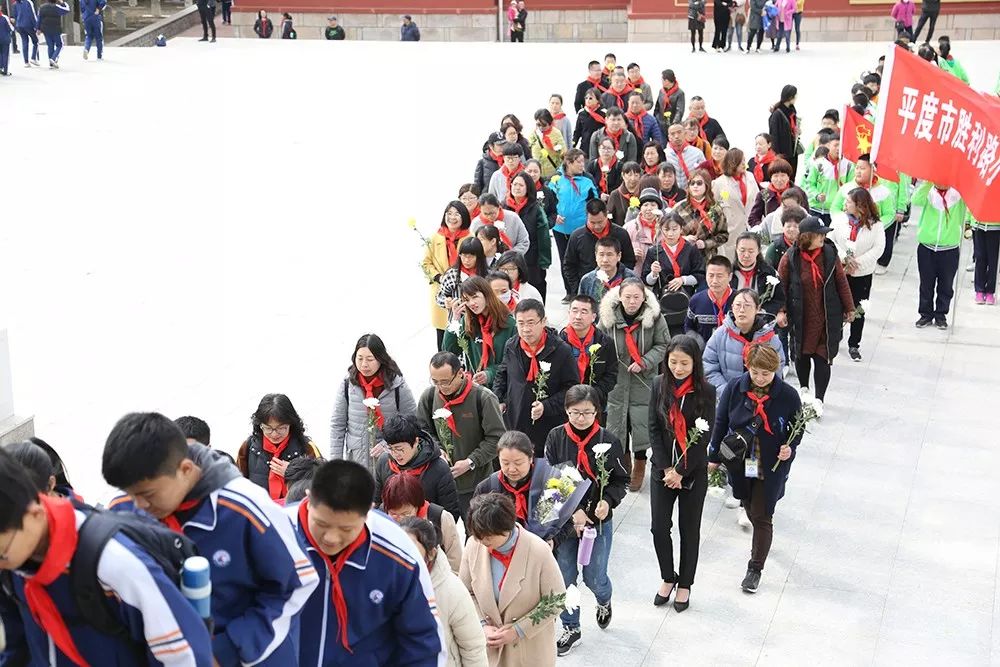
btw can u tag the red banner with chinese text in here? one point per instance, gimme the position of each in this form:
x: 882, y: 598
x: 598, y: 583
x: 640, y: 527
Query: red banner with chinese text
x: 932, y: 126
x: 856, y: 140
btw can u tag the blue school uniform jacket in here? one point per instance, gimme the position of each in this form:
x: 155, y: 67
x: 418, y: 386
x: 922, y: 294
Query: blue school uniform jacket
x: 702, y: 316
x: 392, y: 616
x: 25, y: 16
x: 164, y: 626
x: 261, y: 578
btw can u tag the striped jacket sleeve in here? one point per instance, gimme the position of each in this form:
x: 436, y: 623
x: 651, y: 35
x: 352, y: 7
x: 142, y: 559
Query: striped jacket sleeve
x: 153, y: 608
x: 284, y: 577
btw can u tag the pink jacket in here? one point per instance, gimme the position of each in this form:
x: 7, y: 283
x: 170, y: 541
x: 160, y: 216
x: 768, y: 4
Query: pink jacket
x: 903, y: 12
x: 785, y: 10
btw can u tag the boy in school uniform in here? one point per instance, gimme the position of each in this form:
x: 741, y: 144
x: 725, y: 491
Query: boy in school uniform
x: 260, y: 576
x: 43, y: 622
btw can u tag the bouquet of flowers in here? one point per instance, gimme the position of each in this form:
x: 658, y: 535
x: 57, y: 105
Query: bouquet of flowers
x: 592, y: 352
x: 772, y: 282
x: 371, y: 404
x: 455, y: 327
x: 553, y: 603
x: 806, y: 414
x: 557, y: 492
x: 443, y: 428
x: 541, y: 388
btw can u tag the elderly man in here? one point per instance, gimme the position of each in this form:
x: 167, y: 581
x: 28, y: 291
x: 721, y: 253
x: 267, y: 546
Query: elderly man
x: 684, y: 157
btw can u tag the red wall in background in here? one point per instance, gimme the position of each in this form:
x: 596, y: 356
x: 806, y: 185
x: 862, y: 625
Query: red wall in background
x: 663, y: 9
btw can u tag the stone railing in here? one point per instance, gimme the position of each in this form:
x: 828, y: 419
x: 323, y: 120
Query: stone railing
x: 171, y: 26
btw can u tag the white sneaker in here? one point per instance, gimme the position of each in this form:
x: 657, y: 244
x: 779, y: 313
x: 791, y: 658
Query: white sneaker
x: 28, y: 65
x: 731, y: 503
x: 86, y: 55
x: 743, y: 520
x: 818, y: 406
x: 881, y: 270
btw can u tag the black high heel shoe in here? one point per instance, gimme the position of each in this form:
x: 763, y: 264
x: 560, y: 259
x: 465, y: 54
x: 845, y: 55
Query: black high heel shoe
x: 660, y: 600
x: 682, y: 606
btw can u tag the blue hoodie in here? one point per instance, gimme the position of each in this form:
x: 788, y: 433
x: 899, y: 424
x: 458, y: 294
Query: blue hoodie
x: 150, y: 607
x: 90, y: 8
x: 260, y: 576
x: 572, y: 200
x: 25, y: 17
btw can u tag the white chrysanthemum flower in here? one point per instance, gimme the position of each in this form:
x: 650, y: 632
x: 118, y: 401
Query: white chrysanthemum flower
x: 594, y: 348
x: 545, y: 366
x: 602, y: 275
x: 442, y: 413
x: 455, y: 326
x: 573, y: 474
x: 701, y: 425
x: 572, y: 597
x: 371, y: 403
x: 772, y: 280
x: 602, y: 448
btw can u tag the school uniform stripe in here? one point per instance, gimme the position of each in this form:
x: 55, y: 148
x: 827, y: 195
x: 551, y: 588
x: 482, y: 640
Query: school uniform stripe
x: 389, y: 546
x: 246, y: 502
x: 239, y: 509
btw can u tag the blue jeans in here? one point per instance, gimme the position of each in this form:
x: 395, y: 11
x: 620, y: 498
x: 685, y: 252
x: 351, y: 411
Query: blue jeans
x: 27, y: 35
x: 784, y: 34
x: 595, y: 575
x: 53, y: 42
x: 4, y: 53
x: 797, y: 18
x: 95, y: 34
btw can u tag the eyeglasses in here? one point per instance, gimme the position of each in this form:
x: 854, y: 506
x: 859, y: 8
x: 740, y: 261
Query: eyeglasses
x: 399, y: 449
x: 743, y: 306
x: 528, y: 323
x: 10, y: 543
x: 509, y: 270
x: 444, y: 383
x: 581, y: 413
x: 702, y: 183
x: 274, y: 430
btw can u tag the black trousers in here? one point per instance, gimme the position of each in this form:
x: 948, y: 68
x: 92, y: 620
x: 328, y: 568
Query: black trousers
x: 207, y: 19
x: 763, y: 525
x: 536, y: 278
x: 924, y: 18
x: 517, y: 36
x: 691, y: 503
x: 750, y: 35
x: 227, y: 12
x: 891, y: 232
x: 721, y: 30
x: 821, y: 376
x: 701, y: 37
x: 987, y: 249
x: 562, y: 240
x: 861, y: 288
x: 937, y: 276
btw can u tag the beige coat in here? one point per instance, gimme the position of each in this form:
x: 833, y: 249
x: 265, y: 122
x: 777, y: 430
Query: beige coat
x: 463, y: 633
x: 435, y: 262
x: 533, y: 573
x: 450, y: 542
x: 726, y: 191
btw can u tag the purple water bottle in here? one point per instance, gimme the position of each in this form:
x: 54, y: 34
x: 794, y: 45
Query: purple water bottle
x: 586, y: 548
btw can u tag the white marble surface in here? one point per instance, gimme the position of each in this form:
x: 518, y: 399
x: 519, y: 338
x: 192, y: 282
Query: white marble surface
x: 245, y: 251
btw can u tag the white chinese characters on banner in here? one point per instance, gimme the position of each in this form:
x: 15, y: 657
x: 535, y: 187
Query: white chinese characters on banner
x: 906, y: 109
x: 928, y: 112
x: 947, y: 124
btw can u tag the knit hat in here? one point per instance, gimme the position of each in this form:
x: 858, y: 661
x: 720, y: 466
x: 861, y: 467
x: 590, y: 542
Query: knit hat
x: 650, y: 195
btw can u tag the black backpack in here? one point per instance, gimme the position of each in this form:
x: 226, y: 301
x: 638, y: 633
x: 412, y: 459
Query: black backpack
x: 168, y: 548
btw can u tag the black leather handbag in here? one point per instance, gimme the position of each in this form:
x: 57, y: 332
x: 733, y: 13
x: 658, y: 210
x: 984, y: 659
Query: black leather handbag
x: 734, y: 447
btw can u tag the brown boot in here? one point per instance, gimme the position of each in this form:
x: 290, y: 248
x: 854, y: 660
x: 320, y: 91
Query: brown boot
x: 638, y: 475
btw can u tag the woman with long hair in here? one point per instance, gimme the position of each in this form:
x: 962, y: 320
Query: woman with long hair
x: 371, y: 374
x: 485, y: 324
x: 704, y: 220
x: 860, y: 241
x: 819, y: 302
x: 441, y: 254
x: 672, y: 264
x: 681, y: 396
x: 278, y: 436
x: 471, y: 261
x: 522, y: 200
x: 783, y: 126
x: 493, y: 245
x: 736, y: 192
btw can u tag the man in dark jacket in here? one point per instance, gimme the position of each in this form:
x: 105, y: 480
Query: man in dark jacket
x: 536, y: 357
x: 474, y: 427
x: 581, y: 257
x: 206, y: 10
x: 709, y: 127
x: 929, y: 10
x: 595, y: 79
x: 409, y: 32
x: 491, y: 161
x: 598, y: 368
x: 669, y: 107
x: 334, y: 31
x: 413, y: 451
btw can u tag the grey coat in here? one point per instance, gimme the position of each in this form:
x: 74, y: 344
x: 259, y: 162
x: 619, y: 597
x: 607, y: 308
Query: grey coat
x: 349, y: 425
x: 755, y: 20
x: 628, y: 402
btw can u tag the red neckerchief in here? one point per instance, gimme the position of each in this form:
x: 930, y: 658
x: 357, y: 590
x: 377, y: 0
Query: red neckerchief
x: 451, y: 240
x: 509, y: 175
x: 275, y: 482
x: 512, y: 302
x: 491, y: 223
x: 670, y: 201
x: 614, y: 137
x: 869, y: 186
x: 748, y: 275
x: 855, y: 226
x: 676, y: 418
x: 776, y: 191
x: 944, y: 202
x: 638, y: 121
x: 558, y: 116
x: 538, y: 186
x: 334, y: 566
x: 788, y: 242
x: 505, y: 558
x: 412, y: 472
x: 599, y: 83
x: 486, y: 331
x: 468, y: 272
x: 63, y: 537
x: 513, y: 205
x: 532, y: 354
x: 793, y: 122
x: 758, y: 167
x: 422, y: 512
x: 700, y: 208
x: 720, y: 305
x: 520, y: 495
x: 759, y: 408
x: 749, y: 344
x: 810, y: 256
x: 836, y: 168
x: 667, y: 92
x: 672, y: 256
x: 626, y: 195
x: 615, y: 281
x: 473, y: 214
x: 701, y: 127
x: 742, y: 182
x: 172, y: 522
x: 598, y: 118
x: 650, y: 171
x: 631, y: 345
x: 604, y: 174
x: 582, y: 462
x: 651, y: 226
x: 547, y: 140
x: 600, y: 235
x: 582, y: 361
x: 680, y: 161
x: 635, y: 85
x: 447, y: 403
x: 621, y: 97
x: 496, y: 157
x: 372, y: 389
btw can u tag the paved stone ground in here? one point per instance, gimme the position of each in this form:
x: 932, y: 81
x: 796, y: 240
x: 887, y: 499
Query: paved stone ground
x: 242, y: 252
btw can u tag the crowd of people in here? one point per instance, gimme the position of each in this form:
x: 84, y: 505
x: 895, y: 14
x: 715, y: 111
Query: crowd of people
x: 696, y: 280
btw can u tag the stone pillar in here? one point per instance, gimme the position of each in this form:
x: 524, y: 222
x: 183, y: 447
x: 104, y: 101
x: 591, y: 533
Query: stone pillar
x: 12, y: 427
x: 154, y: 8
